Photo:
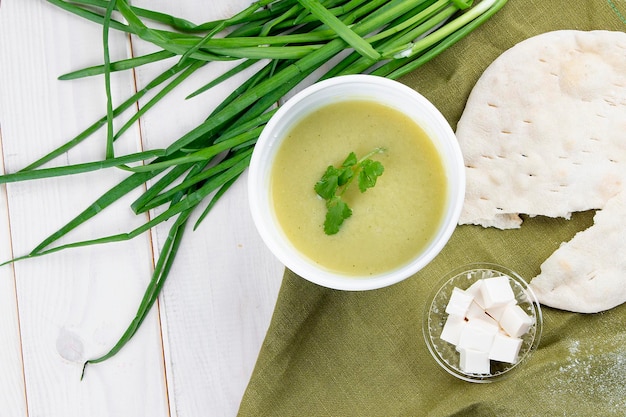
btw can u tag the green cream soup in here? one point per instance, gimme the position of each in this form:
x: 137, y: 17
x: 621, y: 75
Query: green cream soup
x: 391, y: 222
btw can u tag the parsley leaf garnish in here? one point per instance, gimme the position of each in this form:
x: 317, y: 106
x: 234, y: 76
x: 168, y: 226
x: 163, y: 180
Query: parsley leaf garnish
x: 335, y: 181
x: 337, y: 212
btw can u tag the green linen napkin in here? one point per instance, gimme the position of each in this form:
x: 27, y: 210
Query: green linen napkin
x: 336, y: 353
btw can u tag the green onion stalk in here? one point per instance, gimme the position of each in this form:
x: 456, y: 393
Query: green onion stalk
x: 288, y: 41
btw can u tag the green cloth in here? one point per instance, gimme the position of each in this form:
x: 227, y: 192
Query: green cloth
x: 335, y: 353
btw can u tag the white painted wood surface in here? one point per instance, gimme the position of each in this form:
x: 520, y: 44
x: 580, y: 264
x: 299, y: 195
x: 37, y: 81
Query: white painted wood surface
x: 194, y: 354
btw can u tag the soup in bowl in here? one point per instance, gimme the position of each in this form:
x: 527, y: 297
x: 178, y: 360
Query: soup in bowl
x: 397, y: 224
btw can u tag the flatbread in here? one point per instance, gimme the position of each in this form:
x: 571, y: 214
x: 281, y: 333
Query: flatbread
x: 586, y: 274
x: 544, y: 133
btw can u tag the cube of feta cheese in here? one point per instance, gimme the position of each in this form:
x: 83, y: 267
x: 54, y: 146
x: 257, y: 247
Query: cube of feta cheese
x: 475, y: 310
x: 477, y: 335
x: 505, y: 348
x: 514, y: 321
x: 474, y: 290
x: 453, y: 328
x: 474, y: 361
x: 459, y: 302
x: 496, y: 291
x: 497, y: 311
x: 486, y: 319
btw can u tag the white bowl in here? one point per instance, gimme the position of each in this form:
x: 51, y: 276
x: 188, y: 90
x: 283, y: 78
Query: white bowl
x: 352, y: 87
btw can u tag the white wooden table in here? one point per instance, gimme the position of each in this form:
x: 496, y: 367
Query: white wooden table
x: 195, y: 352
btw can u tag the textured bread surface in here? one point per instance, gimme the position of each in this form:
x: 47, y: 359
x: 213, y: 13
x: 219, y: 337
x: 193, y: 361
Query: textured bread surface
x: 544, y: 133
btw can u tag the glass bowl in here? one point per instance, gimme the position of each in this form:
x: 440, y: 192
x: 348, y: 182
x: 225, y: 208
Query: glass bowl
x: 435, y: 317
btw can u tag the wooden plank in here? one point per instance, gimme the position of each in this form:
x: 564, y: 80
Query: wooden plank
x: 222, y: 290
x: 72, y: 305
x: 12, y: 390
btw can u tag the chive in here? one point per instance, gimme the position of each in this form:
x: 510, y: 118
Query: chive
x: 266, y: 52
x: 420, y: 15
x: 389, y: 38
x: 80, y: 168
x: 174, y: 22
x: 138, y: 205
x: 161, y: 271
x: 268, y: 26
x: 222, y: 190
x: 89, y: 15
x: 236, y: 70
x: 107, y: 78
x: 119, y: 65
x: 347, y: 34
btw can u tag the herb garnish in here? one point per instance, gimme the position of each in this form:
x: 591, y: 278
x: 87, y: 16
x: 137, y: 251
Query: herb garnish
x: 335, y: 181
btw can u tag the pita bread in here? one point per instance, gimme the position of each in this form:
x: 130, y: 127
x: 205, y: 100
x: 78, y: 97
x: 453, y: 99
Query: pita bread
x: 544, y: 133
x: 587, y: 266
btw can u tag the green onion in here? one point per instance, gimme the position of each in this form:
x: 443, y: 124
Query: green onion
x: 119, y: 65
x: 289, y: 41
x: 347, y: 34
x: 107, y: 78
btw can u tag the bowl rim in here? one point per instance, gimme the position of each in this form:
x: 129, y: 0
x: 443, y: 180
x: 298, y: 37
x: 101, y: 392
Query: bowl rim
x: 534, y: 305
x: 267, y: 145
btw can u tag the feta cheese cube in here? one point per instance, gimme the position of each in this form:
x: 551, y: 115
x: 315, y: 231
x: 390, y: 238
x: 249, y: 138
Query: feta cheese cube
x: 487, y: 319
x: 474, y: 290
x: 496, y: 291
x: 515, y: 322
x: 505, y: 348
x: 497, y: 311
x: 477, y: 335
x: 459, y: 302
x: 474, y: 361
x: 453, y: 328
x: 475, y: 311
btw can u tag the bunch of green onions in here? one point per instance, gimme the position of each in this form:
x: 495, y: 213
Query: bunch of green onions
x: 288, y: 40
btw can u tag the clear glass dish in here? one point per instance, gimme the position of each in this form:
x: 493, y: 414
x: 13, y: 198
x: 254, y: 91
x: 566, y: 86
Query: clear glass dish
x: 435, y: 317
